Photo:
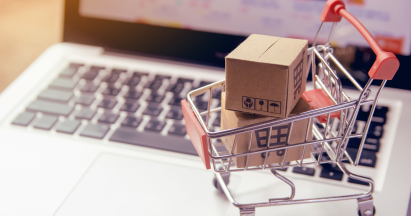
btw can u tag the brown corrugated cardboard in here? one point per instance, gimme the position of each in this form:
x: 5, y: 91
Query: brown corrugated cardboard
x: 265, y: 75
x: 279, y: 135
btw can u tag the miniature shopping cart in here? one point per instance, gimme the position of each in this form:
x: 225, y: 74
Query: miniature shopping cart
x: 330, y: 123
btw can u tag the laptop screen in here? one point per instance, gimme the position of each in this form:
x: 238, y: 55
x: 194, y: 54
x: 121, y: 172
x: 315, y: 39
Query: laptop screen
x: 204, y: 31
x: 298, y: 19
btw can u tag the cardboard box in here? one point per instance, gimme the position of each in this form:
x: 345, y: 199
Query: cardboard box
x: 279, y: 135
x: 266, y: 75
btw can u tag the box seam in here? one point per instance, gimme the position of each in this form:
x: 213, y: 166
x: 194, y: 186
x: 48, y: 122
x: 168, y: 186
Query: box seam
x: 267, y: 49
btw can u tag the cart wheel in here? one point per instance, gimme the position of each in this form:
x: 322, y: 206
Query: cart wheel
x: 374, y: 211
x: 226, y: 178
x: 217, y: 185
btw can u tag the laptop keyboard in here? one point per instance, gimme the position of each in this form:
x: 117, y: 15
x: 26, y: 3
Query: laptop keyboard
x: 127, y: 107
x: 91, y: 106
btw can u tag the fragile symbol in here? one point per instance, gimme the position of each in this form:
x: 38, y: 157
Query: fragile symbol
x: 261, y: 102
x: 261, y: 105
x: 248, y: 102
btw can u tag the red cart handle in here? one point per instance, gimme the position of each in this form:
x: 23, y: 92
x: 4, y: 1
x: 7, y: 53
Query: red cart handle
x: 386, y: 64
x: 196, y: 133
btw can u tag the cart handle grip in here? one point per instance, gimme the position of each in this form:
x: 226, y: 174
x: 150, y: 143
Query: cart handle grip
x: 386, y: 63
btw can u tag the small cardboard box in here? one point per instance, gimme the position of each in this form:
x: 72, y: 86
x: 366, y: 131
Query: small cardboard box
x: 279, y: 135
x: 266, y: 75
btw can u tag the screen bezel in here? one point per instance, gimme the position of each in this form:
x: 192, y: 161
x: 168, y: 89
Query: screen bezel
x: 198, y: 47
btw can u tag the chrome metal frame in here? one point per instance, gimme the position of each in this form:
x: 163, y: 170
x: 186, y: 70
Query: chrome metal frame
x: 329, y: 138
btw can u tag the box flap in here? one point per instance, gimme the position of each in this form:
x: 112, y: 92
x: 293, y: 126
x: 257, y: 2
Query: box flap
x: 252, y: 48
x: 283, y: 52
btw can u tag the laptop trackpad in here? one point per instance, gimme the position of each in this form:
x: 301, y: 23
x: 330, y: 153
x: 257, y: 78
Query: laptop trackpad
x: 121, y: 185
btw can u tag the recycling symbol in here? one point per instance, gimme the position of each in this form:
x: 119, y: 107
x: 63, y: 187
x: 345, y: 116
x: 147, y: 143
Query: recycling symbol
x: 248, y: 103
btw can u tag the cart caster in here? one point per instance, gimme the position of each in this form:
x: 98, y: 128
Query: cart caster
x: 247, y: 211
x: 365, y: 205
x: 368, y: 213
x: 226, y: 178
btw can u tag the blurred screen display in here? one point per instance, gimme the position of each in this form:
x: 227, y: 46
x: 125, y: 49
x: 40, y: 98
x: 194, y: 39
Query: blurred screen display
x: 386, y: 20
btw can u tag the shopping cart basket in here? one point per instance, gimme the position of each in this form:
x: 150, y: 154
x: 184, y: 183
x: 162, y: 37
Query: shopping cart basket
x: 334, y: 116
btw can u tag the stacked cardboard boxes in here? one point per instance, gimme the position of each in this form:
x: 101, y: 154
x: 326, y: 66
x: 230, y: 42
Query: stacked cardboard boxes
x: 265, y: 78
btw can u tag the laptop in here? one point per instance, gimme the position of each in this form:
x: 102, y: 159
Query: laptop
x: 94, y: 125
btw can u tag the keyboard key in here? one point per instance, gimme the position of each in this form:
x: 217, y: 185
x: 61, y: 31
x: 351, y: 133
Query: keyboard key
x: 368, y: 158
x: 130, y: 106
x: 92, y: 73
x: 108, y: 117
x: 175, y: 113
x: 69, y: 72
x: 139, y: 74
x: 380, y: 114
x: 97, y: 131
x: 97, y: 68
x: 85, y: 99
x: 89, y: 87
x: 153, y: 109
x: 56, y: 95
x: 201, y: 105
x: 217, y: 121
x: 118, y: 71
x: 155, y: 98
x: 178, y: 129
x: 48, y: 107
x: 132, y: 81
x: 176, y: 88
x: 184, y: 80
x: 375, y: 131
x: 179, y: 85
x: 153, y: 140
x: 131, y: 121
x: 217, y: 93
x: 68, y: 126
x: 304, y: 171
x: 331, y: 174
x: 62, y: 83
x: 351, y: 180
x: 111, y: 90
x: 370, y: 144
x: 331, y: 166
x: 85, y: 113
x: 75, y: 65
x: 133, y: 94
x: 111, y: 78
x: 108, y: 103
x: 46, y: 122
x: 161, y: 77
x: 24, y: 118
x: 204, y: 83
x: 154, y: 125
x: 175, y: 101
x: 154, y: 85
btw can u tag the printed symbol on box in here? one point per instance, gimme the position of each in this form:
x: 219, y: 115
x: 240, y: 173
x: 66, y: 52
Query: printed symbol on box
x: 279, y: 136
x: 248, y: 102
x: 274, y: 107
x: 298, y: 77
x: 262, y: 105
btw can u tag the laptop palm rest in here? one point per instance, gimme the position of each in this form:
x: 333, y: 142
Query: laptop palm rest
x: 121, y: 185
